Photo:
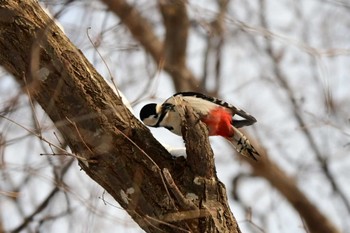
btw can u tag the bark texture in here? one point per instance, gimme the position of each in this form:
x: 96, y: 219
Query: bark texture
x: 112, y: 146
x: 174, y: 47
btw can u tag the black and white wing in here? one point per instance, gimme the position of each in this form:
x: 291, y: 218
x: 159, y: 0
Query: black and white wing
x: 203, y: 104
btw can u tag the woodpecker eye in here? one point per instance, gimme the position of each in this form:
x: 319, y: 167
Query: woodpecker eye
x: 168, y: 106
x: 149, y: 110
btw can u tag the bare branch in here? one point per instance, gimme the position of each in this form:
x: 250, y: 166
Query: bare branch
x: 128, y: 161
x: 215, y: 42
x: 314, y: 219
x: 45, y: 202
x: 282, y: 80
x: 172, y: 57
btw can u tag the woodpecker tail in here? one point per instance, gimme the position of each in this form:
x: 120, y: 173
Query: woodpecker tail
x: 242, y: 145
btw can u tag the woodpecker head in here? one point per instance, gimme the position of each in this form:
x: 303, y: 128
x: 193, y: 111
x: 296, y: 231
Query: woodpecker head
x: 149, y: 114
x: 161, y: 115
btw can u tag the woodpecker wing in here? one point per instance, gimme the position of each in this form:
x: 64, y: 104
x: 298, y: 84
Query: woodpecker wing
x: 203, y: 104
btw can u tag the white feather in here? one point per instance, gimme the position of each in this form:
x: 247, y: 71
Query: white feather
x: 176, y: 151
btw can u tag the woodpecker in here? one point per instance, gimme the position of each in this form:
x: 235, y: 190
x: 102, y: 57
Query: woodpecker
x: 217, y: 115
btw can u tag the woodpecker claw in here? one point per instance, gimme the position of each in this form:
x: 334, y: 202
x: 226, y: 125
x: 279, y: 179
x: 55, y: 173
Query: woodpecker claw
x: 242, y: 145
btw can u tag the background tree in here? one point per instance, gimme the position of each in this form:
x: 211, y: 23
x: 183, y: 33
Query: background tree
x: 287, y: 68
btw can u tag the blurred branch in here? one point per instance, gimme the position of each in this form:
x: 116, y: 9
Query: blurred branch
x: 176, y: 24
x: 276, y: 58
x: 111, y: 145
x: 170, y: 59
x: 175, y: 44
x: 215, y: 43
x: 314, y: 219
x: 27, y: 220
x: 139, y: 27
x: 39, y: 209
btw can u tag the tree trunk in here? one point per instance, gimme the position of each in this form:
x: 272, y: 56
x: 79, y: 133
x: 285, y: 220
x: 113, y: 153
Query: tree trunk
x: 112, y: 146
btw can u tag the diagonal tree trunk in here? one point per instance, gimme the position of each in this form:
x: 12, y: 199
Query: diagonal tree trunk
x: 112, y: 146
x: 172, y: 11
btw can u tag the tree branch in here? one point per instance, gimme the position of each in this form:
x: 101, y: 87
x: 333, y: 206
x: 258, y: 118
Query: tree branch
x: 213, y: 54
x: 265, y: 170
x: 315, y: 221
x: 170, y: 58
x: 112, y: 146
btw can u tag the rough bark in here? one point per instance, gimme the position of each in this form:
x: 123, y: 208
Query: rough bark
x: 112, y: 146
x: 315, y: 220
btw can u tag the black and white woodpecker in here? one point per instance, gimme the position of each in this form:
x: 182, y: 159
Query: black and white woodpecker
x: 218, y: 116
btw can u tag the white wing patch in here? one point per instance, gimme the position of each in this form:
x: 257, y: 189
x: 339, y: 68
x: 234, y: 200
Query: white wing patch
x: 203, y: 104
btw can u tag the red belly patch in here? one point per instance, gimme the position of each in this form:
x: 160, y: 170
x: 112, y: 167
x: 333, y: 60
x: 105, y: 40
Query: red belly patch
x: 219, y: 122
